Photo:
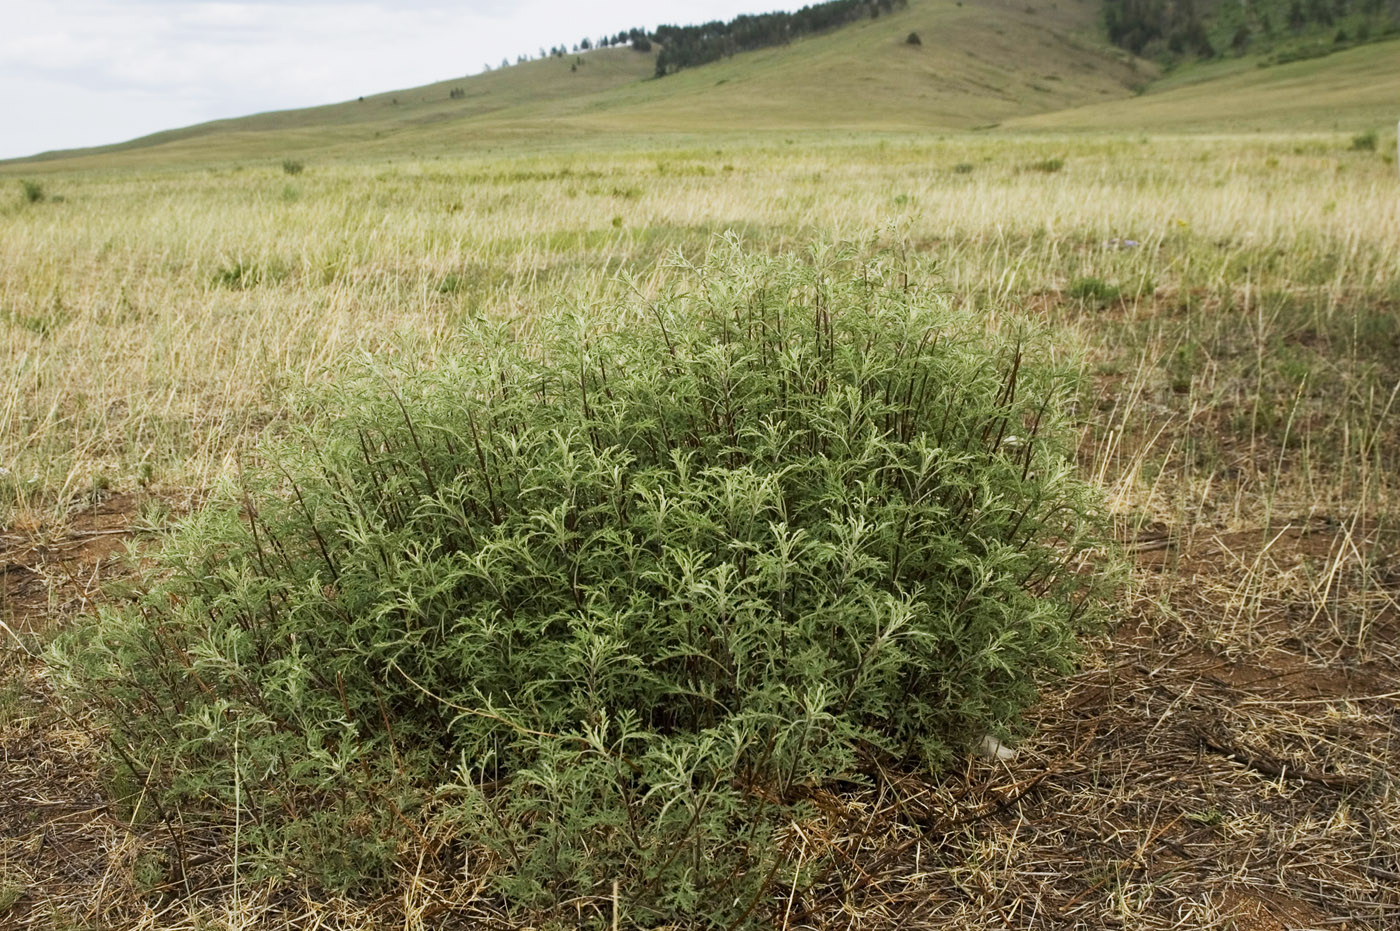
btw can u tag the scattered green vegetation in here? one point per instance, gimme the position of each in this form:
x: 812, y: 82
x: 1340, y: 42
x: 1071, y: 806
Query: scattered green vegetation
x: 1364, y: 142
x: 33, y: 191
x: 241, y: 274
x: 10, y: 894
x: 1093, y: 290
x: 41, y: 323
x: 292, y: 166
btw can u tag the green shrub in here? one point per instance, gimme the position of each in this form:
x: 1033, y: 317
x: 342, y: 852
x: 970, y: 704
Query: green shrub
x: 1047, y: 165
x: 40, y: 324
x: 33, y: 191
x: 292, y: 166
x: 963, y: 168
x: 241, y: 275
x: 1093, y: 290
x: 1364, y: 142
x: 606, y: 600
x: 236, y: 276
x: 11, y: 891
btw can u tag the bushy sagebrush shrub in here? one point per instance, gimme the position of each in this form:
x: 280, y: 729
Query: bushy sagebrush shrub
x: 606, y: 600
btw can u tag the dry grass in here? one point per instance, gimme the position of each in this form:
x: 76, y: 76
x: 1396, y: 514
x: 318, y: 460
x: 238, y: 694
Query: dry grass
x: 155, y: 321
x: 1225, y: 759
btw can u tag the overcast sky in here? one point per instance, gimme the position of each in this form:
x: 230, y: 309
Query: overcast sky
x: 89, y: 72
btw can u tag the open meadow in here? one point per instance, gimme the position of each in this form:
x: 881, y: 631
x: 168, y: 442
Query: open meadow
x: 1225, y: 754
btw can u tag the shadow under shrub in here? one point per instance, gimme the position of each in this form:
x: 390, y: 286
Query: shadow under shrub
x: 606, y: 601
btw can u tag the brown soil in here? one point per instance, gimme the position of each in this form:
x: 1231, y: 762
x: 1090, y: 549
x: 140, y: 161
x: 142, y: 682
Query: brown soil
x: 58, y: 836
x: 47, y: 574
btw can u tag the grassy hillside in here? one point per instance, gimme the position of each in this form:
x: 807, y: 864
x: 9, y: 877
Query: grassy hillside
x: 371, y: 119
x: 1350, y: 90
x: 979, y: 62
x: 976, y: 63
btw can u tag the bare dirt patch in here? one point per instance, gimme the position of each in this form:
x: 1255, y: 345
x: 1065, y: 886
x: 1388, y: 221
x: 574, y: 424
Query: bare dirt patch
x: 58, y: 834
x: 50, y: 573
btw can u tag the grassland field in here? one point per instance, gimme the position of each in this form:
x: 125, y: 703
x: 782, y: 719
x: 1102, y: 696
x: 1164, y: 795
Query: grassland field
x: 1227, y: 758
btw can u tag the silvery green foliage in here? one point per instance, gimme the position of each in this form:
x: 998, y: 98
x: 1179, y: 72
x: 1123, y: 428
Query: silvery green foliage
x: 607, y: 603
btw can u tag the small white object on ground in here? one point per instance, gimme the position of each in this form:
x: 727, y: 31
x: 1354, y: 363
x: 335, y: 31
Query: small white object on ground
x: 993, y: 749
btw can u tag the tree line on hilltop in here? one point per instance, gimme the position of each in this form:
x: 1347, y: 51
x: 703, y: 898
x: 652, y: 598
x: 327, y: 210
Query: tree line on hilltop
x: 1174, y: 29
x: 688, y: 46
x: 1168, y: 30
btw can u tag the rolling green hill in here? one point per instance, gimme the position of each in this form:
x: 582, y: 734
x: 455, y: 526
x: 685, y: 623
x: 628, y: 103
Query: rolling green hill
x: 535, y: 84
x: 976, y: 64
x: 1349, y: 90
x: 979, y: 62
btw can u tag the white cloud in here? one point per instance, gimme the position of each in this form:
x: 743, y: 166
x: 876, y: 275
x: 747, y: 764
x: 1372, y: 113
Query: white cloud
x: 89, y: 72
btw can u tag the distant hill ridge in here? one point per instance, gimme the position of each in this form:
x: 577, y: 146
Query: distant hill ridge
x: 844, y: 65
